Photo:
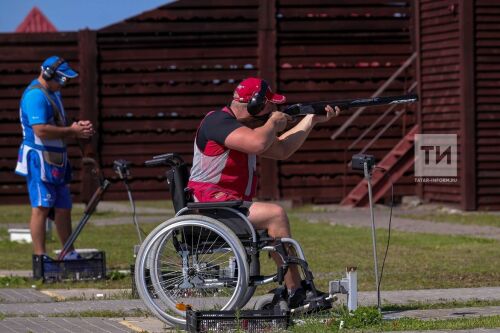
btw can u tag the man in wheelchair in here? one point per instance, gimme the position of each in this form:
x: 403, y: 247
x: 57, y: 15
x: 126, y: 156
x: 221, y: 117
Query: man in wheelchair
x: 224, y: 163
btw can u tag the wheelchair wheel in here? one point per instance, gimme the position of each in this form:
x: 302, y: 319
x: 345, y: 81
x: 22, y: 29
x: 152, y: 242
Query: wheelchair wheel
x: 191, y: 260
x: 254, y: 269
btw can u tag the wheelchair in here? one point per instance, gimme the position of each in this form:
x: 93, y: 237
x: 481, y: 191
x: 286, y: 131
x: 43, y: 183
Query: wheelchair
x: 207, y: 257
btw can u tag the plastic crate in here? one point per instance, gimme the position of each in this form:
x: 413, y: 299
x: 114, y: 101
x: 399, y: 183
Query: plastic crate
x: 254, y: 321
x: 92, y: 266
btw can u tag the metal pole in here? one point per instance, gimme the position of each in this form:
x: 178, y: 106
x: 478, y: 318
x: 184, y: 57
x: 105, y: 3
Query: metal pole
x: 374, y: 240
x: 352, y: 282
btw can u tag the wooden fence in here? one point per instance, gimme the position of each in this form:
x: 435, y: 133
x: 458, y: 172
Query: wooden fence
x: 147, y: 81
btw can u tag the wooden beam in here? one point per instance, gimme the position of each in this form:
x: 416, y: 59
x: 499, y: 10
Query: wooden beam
x: 267, y: 63
x: 88, y: 108
x: 468, y: 107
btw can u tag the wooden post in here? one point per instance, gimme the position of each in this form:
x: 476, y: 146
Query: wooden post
x: 88, y: 108
x: 467, y: 107
x: 267, y: 55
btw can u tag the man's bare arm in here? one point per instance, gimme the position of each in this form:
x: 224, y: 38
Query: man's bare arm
x: 258, y: 140
x: 81, y: 130
x: 290, y: 141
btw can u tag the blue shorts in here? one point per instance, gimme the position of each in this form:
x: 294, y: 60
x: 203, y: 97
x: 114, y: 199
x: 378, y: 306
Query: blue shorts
x: 44, y: 194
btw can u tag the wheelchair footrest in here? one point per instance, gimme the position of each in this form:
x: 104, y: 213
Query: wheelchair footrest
x: 229, y: 321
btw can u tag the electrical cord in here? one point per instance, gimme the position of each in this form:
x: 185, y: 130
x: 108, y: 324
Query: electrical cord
x: 388, y: 238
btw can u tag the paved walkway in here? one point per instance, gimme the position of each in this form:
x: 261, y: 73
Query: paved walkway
x: 51, y: 311
x: 360, y: 217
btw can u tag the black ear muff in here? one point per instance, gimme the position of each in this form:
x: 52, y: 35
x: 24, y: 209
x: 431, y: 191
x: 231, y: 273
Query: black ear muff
x: 258, y: 101
x: 49, y: 72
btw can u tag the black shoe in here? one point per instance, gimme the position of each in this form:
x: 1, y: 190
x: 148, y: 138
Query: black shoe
x: 297, y: 298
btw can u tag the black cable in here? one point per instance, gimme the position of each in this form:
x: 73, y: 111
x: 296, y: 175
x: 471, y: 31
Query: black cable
x: 388, y: 238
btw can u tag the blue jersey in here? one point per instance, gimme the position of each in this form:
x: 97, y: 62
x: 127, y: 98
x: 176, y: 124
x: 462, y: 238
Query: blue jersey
x: 38, y: 107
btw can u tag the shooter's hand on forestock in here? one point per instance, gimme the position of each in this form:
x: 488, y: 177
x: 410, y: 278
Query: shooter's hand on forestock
x: 330, y: 113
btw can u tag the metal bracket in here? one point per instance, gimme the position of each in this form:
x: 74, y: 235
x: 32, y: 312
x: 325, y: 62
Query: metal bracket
x: 347, y: 286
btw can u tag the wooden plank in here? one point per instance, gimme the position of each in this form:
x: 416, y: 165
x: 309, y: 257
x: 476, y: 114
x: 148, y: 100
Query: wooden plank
x: 429, y: 54
x: 341, y: 86
x: 340, y: 73
x: 441, y: 29
x: 174, y: 64
x: 437, y: 12
x: 154, y: 112
x: 431, y: 22
x: 193, y: 26
x: 344, y: 49
x: 166, y: 89
x: 30, y: 53
x: 343, y: 3
x: 337, y: 12
x: 342, y: 25
x: 447, y: 44
x: 437, y: 5
x: 440, y: 77
x: 172, y: 14
x: 211, y: 101
x: 188, y: 76
x: 89, y: 109
x: 41, y: 38
x: 164, y: 54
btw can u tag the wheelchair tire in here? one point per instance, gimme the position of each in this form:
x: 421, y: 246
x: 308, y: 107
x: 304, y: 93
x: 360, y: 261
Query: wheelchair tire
x: 171, y: 272
x: 254, y: 268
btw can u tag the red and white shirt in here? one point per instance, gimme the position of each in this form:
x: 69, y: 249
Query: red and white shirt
x: 220, y: 173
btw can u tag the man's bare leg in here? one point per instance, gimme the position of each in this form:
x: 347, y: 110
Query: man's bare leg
x: 273, y: 218
x: 63, y: 225
x: 37, y: 228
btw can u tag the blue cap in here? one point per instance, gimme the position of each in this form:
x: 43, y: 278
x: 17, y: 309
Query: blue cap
x: 63, y: 69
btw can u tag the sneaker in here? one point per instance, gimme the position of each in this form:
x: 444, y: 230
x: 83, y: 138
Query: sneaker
x: 297, y: 298
x: 73, y: 255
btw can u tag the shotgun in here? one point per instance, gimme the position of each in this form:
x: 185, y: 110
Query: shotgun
x: 301, y: 109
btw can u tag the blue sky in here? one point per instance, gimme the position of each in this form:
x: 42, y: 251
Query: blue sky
x: 71, y: 15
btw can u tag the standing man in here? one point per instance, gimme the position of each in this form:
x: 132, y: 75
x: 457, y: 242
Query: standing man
x: 43, y: 157
x: 224, y: 162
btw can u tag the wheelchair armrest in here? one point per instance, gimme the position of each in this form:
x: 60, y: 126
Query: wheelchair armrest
x: 215, y: 204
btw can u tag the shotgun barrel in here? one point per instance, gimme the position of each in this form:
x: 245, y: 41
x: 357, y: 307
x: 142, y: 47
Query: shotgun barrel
x: 300, y: 109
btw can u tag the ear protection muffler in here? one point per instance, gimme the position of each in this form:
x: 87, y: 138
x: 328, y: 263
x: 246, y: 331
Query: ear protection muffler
x: 48, y: 73
x: 258, y: 101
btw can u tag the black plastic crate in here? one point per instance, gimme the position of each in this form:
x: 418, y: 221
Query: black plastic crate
x: 254, y: 321
x: 92, y: 266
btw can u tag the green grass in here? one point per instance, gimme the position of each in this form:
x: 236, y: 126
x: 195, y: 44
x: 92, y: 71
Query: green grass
x: 22, y: 213
x: 369, y: 322
x: 440, y: 305
x: 415, y: 261
x: 462, y: 218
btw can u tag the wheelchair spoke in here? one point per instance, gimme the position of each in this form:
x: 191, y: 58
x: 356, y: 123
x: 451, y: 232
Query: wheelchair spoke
x: 208, y: 251
x: 195, y: 263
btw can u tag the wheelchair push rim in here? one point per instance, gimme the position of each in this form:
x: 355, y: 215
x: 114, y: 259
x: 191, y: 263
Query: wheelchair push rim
x: 191, y: 260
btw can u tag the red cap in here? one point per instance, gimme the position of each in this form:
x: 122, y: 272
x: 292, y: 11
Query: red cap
x: 248, y: 87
